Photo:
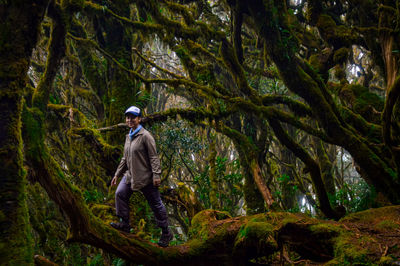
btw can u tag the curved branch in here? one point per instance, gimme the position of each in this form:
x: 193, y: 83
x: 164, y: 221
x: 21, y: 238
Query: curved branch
x: 372, y: 132
x: 113, y: 127
x: 311, y: 166
x: 56, y: 51
x: 232, y: 63
x: 271, y: 112
x: 297, y: 107
x: 157, y: 66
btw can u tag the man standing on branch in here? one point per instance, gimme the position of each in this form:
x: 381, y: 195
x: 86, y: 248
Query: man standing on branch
x: 141, y: 170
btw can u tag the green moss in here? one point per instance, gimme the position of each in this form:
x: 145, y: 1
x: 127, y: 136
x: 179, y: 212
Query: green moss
x: 326, y: 228
x: 338, y: 36
x: 182, y: 52
x: 327, y: 24
x: 16, y: 239
x: 256, y: 234
x: 255, y: 230
x: 315, y: 62
x: 362, y: 101
x: 373, y: 216
x: 33, y: 128
x: 387, y: 225
x: 347, y: 251
x: 104, y: 212
x: 341, y: 55
x: 200, y: 222
x: 386, y: 260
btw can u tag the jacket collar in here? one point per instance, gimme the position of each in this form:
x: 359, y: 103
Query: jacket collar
x: 140, y: 132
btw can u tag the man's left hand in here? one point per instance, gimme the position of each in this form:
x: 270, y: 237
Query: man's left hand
x: 156, y: 182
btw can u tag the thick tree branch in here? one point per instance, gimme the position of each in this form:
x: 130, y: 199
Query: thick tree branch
x: 312, y: 167
x: 56, y: 51
x: 272, y: 112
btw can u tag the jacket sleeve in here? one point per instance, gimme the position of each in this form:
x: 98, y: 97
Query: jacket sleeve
x: 121, y: 168
x: 153, y: 156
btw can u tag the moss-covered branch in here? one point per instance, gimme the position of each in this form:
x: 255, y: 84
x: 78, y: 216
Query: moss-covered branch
x: 90, y: 67
x: 56, y: 51
x: 297, y: 107
x: 312, y: 167
x: 94, y: 139
x: 232, y: 63
x: 272, y: 112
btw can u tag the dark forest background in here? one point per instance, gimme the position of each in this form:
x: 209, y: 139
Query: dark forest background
x: 277, y: 124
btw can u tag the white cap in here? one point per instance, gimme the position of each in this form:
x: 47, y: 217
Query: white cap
x: 133, y: 110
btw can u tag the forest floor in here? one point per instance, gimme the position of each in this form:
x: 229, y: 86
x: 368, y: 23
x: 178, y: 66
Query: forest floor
x: 370, y: 237
x: 375, y: 240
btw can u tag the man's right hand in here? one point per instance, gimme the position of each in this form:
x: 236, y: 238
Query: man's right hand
x: 114, y: 181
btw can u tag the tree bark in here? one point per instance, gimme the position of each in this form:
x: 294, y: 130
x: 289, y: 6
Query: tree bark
x: 19, y: 22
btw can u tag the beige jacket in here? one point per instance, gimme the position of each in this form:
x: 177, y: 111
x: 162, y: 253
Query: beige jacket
x: 140, y: 162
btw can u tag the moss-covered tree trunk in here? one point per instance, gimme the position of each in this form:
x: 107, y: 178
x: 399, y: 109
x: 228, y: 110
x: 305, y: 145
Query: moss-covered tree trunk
x: 19, y: 23
x: 256, y: 193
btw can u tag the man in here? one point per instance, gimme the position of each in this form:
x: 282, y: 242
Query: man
x: 141, y: 170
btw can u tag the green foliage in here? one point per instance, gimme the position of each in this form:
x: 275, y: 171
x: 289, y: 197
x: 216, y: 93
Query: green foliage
x: 230, y: 185
x: 97, y: 260
x: 73, y: 255
x: 203, y: 186
x: 93, y: 196
x: 173, y: 136
x: 177, y: 240
x: 355, y: 197
x: 287, y: 189
x: 118, y: 262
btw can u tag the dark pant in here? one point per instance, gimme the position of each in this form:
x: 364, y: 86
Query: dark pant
x: 152, y: 195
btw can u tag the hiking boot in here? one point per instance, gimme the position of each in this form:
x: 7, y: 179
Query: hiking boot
x: 122, y: 226
x: 165, y: 238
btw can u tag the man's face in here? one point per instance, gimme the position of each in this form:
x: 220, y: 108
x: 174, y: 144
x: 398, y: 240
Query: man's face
x: 132, y: 121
